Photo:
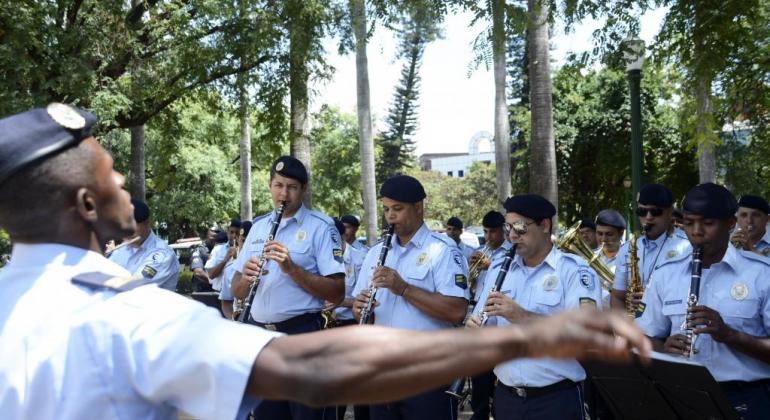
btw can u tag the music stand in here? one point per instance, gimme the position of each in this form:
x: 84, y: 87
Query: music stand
x: 669, y: 388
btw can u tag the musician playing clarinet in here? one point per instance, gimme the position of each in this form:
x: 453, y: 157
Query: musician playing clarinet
x: 303, y: 268
x: 730, y: 321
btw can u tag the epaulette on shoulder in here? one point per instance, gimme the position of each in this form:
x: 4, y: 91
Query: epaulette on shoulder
x: 318, y: 215
x: 577, y: 259
x: 97, y: 280
x: 445, y: 239
x: 755, y: 257
x: 675, y: 259
x: 260, y: 217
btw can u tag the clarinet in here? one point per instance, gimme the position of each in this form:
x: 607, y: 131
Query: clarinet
x: 456, y: 389
x: 692, y: 298
x: 366, y: 312
x: 245, y: 315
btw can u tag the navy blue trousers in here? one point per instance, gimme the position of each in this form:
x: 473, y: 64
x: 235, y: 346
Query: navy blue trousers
x: 750, y: 400
x: 482, y: 388
x: 565, y: 404
x: 431, y: 405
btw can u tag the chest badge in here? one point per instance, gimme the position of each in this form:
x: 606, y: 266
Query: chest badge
x: 300, y: 235
x: 422, y: 258
x: 550, y: 282
x: 739, y: 291
x: 671, y: 254
x: 348, y: 270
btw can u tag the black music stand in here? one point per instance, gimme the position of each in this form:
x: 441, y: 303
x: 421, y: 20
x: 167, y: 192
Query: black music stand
x: 669, y: 388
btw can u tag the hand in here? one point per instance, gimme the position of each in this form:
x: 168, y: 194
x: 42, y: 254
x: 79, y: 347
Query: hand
x: 483, y: 264
x: 360, y: 303
x: 585, y: 334
x: 328, y: 306
x: 741, y: 239
x: 636, y: 299
x: 251, y: 269
x: 232, y: 252
x: 275, y: 251
x: 704, y: 320
x: 473, y: 322
x: 676, y: 344
x: 388, y: 278
x: 498, y: 304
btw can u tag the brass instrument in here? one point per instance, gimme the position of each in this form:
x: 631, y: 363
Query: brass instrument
x: 475, y: 269
x: 572, y: 242
x: 634, y: 283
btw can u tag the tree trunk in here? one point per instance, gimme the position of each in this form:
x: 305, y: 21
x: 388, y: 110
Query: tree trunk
x: 542, y: 161
x: 299, y: 131
x: 502, y: 126
x: 703, y: 131
x: 136, y: 183
x: 245, y: 151
x: 365, y: 141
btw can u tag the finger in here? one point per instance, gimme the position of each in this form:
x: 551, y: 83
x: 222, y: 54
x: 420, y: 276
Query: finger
x: 630, y: 332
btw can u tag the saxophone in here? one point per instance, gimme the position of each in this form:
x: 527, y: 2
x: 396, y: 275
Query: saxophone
x: 634, y: 284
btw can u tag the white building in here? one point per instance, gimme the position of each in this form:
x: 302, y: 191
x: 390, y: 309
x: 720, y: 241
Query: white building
x: 481, y: 147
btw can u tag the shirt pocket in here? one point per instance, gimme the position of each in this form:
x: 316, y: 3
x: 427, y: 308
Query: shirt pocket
x: 419, y: 276
x: 737, y: 313
x: 547, y: 302
x: 675, y: 312
x: 301, y: 253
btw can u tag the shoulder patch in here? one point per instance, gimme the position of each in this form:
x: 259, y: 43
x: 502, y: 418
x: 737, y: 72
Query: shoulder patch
x: 586, y: 302
x: 149, y: 272
x: 587, y: 278
x: 457, y: 257
x: 97, y: 280
x: 461, y: 281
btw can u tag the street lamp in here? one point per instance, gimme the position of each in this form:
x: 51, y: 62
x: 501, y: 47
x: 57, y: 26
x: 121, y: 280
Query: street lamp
x: 628, y: 204
x: 633, y: 54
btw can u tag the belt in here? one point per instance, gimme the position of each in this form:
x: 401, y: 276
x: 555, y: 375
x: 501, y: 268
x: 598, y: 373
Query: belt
x: 532, y: 392
x: 737, y: 386
x: 289, y: 323
x: 346, y: 322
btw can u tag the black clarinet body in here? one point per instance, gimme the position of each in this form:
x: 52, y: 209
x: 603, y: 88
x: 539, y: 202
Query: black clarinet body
x: 694, y: 295
x: 366, y: 313
x: 246, y: 314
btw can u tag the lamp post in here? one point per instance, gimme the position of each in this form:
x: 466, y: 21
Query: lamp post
x: 634, y: 57
x: 628, y: 203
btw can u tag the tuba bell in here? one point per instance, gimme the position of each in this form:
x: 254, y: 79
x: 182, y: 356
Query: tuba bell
x: 572, y: 242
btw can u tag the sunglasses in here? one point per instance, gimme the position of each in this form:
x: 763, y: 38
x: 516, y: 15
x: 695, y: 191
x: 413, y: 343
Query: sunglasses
x: 520, y: 227
x: 654, y: 211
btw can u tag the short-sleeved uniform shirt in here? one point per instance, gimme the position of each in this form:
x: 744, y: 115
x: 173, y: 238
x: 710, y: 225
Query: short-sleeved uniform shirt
x: 75, y: 352
x: 561, y: 282
x: 199, y: 257
x: 763, y: 246
x: 314, y: 245
x: 154, y: 260
x: 217, y: 255
x: 738, y: 287
x: 651, y: 254
x: 353, y: 259
x: 429, y: 261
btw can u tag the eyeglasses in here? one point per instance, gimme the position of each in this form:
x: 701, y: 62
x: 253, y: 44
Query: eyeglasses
x: 654, y: 211
x: 519, y: 226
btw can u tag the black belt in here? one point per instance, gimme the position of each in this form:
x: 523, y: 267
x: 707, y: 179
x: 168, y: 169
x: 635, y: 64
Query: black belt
x: 346, y: 322
x: 738, y: 386
x: 289, y: 323
x: 531, y: 392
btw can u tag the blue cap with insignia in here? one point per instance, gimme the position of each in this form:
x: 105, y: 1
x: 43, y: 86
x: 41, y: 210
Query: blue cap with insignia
x: 611, y: 218
x: 711, y: 201
x: 533, y: 206
x: 754, y: 202
x: 40, y: 133
x: 493, y: 219
x: 455, y: 222
x: 351, y: 220
x: 289, y: 167
x: 141, y: 211
x: 655, y: 195
x: 403, y: 188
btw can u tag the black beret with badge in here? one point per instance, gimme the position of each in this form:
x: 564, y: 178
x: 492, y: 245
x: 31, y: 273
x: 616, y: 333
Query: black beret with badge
x: 710, y: 201
x: 533, y: 206
x: 141, y: 211
x: 39, y: 133
x: 403, y: 188
x: 290, y: 167
x: 455, y: 221
x: 493, y: 219
x: 611, y: 218
x: 754, y: 202
x: 655, y: 195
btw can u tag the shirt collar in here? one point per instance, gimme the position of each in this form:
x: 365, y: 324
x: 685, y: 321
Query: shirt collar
x: 418, y: 239
x: 765, y: 238
x: 146, y: 244
x: 731, y: 258
x: 299, y: 215
x: 551, y: 259
x: 657, y: 241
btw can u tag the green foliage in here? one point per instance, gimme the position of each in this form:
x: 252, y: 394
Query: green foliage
x: 5, y: 246
x: 336, y: 164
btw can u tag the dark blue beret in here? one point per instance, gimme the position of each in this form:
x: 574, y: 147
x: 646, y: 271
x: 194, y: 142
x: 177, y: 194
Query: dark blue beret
x: 493, y: 219
x: 340, y: 225
x: 236, y: 223
x: 351, y: 220
x: 290, y: 167
x: 455, y: 222
x: 754, y: 202
x: 587, y: 223
x: 532, y: 206
x: 403, y: 188
x: 245, y: 227
x: 39, y: 133
x: 611, y: 218
x: 141, y: 211
x: 711, y: 201
x: 221, y: 237
x: 655, y: 195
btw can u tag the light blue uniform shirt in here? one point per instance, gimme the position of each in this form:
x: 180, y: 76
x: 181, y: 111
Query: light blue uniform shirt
x: 216, y: 257
x: 495, y: 259
x: 430, y: 261
x: 651, y: 254
x: 314, y: 245
x: 72, y: 352
x: 738, y: 287
x: 763, y: 246
x: 227, y: 280
x: 154, y: 259
x: 359, y: 246
x: 562, y: 281
x: 353, y: 259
